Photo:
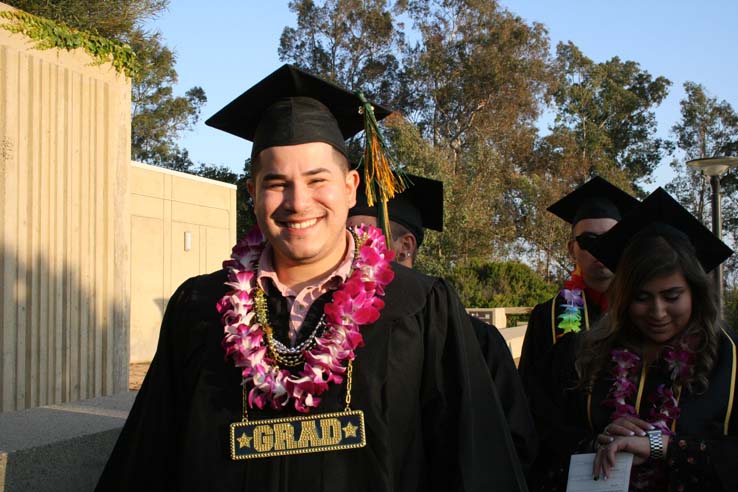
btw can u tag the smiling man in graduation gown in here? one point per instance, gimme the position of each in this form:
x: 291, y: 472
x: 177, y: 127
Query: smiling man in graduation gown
x: 411, y: 212
x: 592, y: 209
x: 309, y: 363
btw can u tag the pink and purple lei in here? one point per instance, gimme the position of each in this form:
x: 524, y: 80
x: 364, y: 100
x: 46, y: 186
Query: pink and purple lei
x: 354, y: 304
x: 664, y: 411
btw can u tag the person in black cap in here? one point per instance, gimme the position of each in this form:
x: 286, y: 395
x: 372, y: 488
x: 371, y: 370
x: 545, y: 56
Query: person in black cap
x: 592, y: 209
x: 657, y: 377
x: 418, y: 208
x: 412, y: 211
x: 309, y: 363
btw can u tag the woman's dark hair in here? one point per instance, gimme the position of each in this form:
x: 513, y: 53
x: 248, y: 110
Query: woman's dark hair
x: 653, y: 253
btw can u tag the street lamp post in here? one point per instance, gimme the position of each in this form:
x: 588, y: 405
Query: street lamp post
x: 714, y: 167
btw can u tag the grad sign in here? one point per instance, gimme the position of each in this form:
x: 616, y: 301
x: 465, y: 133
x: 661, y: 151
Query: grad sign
x: 297, y: 435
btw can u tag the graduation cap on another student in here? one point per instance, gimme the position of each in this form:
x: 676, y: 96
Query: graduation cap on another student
x: 419, y: 207
x: 595, y: 199
x: 661, y: 214
x: 291, y: 107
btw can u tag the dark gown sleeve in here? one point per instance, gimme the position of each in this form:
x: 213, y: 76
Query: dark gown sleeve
x: 464, y: 424
x: 510, y: 390
x: 144, y: 452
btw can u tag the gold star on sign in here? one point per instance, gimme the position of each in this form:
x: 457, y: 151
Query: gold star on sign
x: 350, y: 430
x: 244, y: 441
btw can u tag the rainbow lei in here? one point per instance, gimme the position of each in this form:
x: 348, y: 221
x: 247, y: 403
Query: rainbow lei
x: 571, y: 318
x: 355, y: 303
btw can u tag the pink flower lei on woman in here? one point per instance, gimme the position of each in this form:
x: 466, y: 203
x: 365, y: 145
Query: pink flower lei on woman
x: 355, y: 303
x: 679, y: 363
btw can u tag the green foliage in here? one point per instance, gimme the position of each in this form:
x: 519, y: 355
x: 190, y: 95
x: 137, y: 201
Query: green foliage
x: 499, y: 284
x: 707, y: 128
x: 352, y: 42
x: 158, y: 116
x: 50, y: 34
x: 106, y: 18
x: 607, y: 108
x: 470, y: 86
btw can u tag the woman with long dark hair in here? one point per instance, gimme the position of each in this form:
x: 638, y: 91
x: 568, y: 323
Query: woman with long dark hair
x: 657, y: 377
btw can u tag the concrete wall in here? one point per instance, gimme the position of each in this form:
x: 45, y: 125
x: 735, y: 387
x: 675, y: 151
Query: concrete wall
x: 166, y: 207
x: 64, y: 226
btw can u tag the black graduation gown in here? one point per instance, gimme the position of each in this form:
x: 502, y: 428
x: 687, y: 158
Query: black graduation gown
x: 510, y: 390
x: 703, y: 453
x: 541, y: 367
x: 433, y: 418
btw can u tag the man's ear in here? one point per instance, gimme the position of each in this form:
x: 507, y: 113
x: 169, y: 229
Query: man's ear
x: 570, y: 246
x: 250, y: 187
x: 408, y: 244
x: 352, y: 183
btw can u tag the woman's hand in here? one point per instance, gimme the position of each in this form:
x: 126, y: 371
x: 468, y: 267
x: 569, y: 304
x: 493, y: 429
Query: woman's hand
x: 627, y: 426
x: 636, y: 445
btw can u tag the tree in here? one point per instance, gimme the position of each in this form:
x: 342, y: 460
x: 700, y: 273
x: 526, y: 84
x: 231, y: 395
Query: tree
x: 604, y: 125
x: 158, y: 116
x: 606, y: 109
x: 480, y: 72
x: 352, y: 42
x: 469, y: 89
x: 708, y: 128
x: 472, y: 84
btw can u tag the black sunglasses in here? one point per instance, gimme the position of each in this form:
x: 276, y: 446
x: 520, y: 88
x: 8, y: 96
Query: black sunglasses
x: 586, y: 239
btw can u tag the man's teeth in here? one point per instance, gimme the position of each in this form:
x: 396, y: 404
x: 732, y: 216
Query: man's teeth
x: 302, y: 225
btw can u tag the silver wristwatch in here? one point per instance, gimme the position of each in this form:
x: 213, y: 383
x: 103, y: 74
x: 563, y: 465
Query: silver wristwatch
x: 656, y: 443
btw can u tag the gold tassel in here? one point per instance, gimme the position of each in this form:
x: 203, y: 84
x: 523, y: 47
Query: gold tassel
x: 382, y: 177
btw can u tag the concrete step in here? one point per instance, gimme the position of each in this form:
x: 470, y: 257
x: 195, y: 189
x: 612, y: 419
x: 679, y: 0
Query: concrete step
x: 62, y: 447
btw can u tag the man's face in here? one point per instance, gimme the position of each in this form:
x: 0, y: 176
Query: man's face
x: 595, y: 273
x: 302, y: 194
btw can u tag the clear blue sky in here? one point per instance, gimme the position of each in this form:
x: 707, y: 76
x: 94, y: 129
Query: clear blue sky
x: 226, y: 46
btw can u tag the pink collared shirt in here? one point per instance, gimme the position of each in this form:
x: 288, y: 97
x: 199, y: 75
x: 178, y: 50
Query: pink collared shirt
x: 299, y: 303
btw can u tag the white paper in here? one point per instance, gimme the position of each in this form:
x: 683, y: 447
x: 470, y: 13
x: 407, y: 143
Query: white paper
x: 580, y: 474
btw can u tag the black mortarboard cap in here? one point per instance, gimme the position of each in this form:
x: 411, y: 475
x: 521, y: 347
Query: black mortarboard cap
x: 419, y: 207
x: 291, y: 107
x: 662, y: 214
x: 595, y: 199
